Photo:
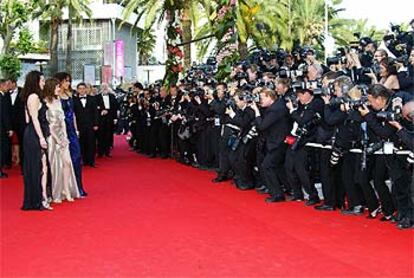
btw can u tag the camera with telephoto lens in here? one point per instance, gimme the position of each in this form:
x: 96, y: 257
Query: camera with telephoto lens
x: 266, y: 84
x: 358, y: 103
x: 230, y: 102
x: 241, y: 75
x: 389, y: 116
x: 396, y: 111
x: 305, y: 130
x: 286, y: 73
x: 339, y: 58
x: 196, y: 92
x: 292, y: 98
x: 328, y: 90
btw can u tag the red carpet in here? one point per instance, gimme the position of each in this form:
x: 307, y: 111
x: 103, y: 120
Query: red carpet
x: 158, y: 218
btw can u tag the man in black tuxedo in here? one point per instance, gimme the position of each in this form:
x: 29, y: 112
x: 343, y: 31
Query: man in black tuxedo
x: 87, y: 120
x: 275, y: 125
x: 107, y: 109
x: 5, y: 127
x: 17, y: 115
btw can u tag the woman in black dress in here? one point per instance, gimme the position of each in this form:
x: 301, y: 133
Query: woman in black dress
x: 34, y: 143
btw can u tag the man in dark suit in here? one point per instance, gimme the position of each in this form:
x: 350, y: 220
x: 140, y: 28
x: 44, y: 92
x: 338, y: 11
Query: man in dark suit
x: 107, y: 109
x: 17, y: 115
x: 275, y: 125
x: 5, y: 127
x: 87, y: 120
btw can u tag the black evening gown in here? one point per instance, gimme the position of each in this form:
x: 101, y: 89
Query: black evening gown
x: 32, y: 162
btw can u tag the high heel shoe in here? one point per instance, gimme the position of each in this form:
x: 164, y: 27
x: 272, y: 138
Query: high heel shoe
x: 68, y: 197
x: 46, y: 205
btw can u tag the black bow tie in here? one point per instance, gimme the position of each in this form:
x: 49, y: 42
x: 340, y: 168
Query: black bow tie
x: 82, y: 97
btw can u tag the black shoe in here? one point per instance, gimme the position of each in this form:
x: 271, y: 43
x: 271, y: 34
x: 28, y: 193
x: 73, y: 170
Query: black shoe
x: 275, y: 199
x: 263, y: 190
x: 386, y: 218
x: 296, y: 199
x: 373, y: 214
x: 245, y: 187
x: 108, y: 155
x: 220, y: 179
x: 152, y: 156
x: 100, y: 155
x: 357, y: 210
x: 405, y: 223
x: 312, y: 202
x: 93, y: 165
x: 3, y: 175
x: 325, y: 207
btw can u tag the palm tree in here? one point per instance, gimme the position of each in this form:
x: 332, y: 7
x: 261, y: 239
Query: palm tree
x: 194, y: 11
x: 145, y: 45
x: 53, y: 10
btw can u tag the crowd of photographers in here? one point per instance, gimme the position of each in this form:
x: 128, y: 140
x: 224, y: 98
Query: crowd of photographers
x: 286, y: 122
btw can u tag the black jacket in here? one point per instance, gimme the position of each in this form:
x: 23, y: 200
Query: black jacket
x: 275, y: 124
x: 86, y: 117
x: 114, y: 106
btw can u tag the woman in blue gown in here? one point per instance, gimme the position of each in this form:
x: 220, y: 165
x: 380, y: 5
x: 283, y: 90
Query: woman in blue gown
x: 74, y: 146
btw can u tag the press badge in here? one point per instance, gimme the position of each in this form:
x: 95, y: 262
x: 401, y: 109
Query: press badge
x: 216, y: 121
x: 388, y: 148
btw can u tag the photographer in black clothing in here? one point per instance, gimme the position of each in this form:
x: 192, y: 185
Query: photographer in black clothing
x: 306, y: 115
x: 330, y: 177
x: 275, y: 125
x: 240, y: 118
x: 218, y: 107
x: 350, y: 131
x: 381, y: 100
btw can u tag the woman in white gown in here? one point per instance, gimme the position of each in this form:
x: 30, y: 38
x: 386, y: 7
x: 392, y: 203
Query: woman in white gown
x: 63, y: 176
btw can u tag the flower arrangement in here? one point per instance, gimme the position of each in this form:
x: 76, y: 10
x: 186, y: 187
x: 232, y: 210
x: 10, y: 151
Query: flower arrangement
x: 227, y: 46
x: 174, y: 63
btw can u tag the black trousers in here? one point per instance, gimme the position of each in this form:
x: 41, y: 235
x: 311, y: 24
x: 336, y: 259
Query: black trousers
x: 380, y: 175
x: 214, y: 146
x: 87, y: 143
x: 356, y: 183
x: 401, y: 176
x: 224, y: 158
x: 243, y: 160
x: 296, y: 167
x: 164, y: 140
x: 270, y: 168
x: 331, y: 181
x: 291, y: 176
x: 105, y: 135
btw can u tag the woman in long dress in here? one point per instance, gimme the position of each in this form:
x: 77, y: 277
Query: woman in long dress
x: 71, y: 128
x: 35, y: 170
x: 63, y: 184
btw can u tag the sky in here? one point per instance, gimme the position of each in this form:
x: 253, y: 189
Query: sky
x: 379, y: 12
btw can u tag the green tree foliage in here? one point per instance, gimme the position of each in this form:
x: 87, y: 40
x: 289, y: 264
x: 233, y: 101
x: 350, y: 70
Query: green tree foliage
x: 13, y: 15
x: 145, y: 44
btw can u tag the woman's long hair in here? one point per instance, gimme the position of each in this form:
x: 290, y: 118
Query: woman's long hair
x: 49, y: 90
x: 62, y: 76
x: 31, y: 85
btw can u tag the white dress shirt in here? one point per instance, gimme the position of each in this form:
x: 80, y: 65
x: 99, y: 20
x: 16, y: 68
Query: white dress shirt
x: 13, y: 96
x: 106, y: 101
